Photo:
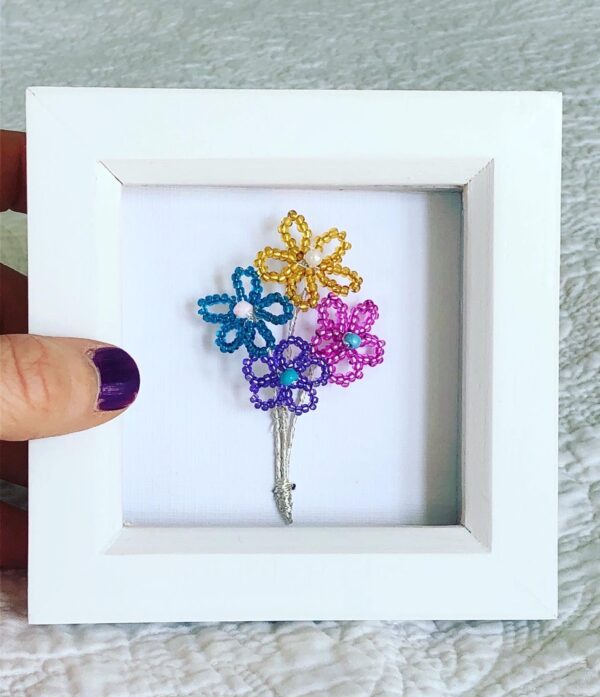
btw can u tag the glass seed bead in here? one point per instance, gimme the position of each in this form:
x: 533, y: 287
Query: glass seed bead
x: 352, y: 340
x: 288, y: 377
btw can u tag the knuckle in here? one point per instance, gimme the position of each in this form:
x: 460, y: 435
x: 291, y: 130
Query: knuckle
x: 27, y: 384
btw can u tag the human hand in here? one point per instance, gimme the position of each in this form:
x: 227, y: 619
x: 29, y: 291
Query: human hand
x: 48, y: 386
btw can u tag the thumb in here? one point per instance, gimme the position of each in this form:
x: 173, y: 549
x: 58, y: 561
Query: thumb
x: 50, y: 386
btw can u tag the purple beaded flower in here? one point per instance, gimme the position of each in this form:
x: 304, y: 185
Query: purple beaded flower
x: 288, y: 377
x: 342, y: 338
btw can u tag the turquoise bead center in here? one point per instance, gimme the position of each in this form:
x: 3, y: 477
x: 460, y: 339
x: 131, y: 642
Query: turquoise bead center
x: 352, y: 340
x: 288, y: 377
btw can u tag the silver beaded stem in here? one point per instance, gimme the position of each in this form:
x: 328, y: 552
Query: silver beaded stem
x: 282, y: 491
x: 284, y: 427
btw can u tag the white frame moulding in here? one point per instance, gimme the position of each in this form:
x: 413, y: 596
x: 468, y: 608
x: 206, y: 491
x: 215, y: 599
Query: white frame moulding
x: 504, y: 151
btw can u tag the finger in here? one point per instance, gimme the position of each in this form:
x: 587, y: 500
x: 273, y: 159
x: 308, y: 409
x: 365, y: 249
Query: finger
x: 13, y: 172
x: 13, y: 301
x: 13, y: 320
x: 13, y: 537
x: 13, y: 461
x: 50, y: 386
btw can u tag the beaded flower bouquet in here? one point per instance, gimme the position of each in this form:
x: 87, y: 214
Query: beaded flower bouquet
x: 284, y: 376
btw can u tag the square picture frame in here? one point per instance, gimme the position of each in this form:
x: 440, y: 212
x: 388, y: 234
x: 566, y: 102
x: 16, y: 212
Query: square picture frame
x: 502, y: 150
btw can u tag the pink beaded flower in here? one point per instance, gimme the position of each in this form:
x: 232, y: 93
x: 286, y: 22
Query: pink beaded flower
x: 342, y: 338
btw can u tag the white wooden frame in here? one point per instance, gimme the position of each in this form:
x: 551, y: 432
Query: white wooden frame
x: 503, y: 151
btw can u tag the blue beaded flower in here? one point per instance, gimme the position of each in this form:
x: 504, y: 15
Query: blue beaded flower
x: 246, y: 315
x: 287, y: 378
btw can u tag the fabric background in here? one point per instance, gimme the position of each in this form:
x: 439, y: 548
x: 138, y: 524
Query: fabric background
x: 465, y: 44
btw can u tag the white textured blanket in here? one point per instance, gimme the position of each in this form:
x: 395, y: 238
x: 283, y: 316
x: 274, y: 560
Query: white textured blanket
x: 433, y: 44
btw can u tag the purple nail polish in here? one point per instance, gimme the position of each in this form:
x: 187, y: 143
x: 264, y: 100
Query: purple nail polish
x: 119, y: 378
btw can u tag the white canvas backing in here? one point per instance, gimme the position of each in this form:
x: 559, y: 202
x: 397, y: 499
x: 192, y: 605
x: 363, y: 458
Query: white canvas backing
x: 384, y: 451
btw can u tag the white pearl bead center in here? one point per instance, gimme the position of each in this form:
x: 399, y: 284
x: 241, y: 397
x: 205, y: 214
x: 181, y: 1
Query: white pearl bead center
x: 313, y: 257
x: 243, y: 309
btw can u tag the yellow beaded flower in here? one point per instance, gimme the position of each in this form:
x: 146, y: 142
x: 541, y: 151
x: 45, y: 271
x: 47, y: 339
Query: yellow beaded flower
x: 306, y: 265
